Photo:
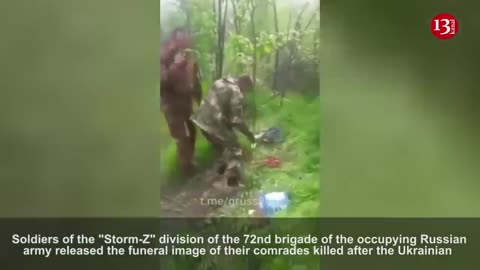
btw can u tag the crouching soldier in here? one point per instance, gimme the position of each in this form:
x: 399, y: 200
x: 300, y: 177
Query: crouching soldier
x: 218, y: 115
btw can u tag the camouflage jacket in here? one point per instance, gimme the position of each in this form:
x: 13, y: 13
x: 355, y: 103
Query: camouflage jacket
x: 221, y: 110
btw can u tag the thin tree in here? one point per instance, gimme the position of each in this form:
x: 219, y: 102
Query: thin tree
x: 277, y: 51
x: 222, y: 40
x: 253, y: 40
x: 219, y: 39
x: 254, y: 56
x: 298, y: 31
x: 214, y: 70
x: 314, y: 15
x: 294, y: 44
x: 236, y: 22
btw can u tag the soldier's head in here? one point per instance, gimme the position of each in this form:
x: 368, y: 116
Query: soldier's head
x: 245, y: 83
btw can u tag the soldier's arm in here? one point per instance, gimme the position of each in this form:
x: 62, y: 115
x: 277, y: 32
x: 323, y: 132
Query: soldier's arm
x: 176, y: 70
x: 168, y: 66
x: 237, y: 116
x: 246, y: 131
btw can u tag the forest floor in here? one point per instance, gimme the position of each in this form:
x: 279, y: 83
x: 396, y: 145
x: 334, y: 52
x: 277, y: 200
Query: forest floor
x: 298, y: 174
x: 194, y: 197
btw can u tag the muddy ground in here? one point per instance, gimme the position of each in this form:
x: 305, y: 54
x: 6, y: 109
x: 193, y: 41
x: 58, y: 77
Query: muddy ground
x: 200, y: 196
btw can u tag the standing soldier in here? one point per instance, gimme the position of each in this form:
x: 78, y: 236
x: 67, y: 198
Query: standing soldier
x: 179, y: 86
x: 219, y: 113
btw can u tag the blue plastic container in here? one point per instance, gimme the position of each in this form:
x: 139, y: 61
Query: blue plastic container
x: 273, y: 135
x: 273, y: 202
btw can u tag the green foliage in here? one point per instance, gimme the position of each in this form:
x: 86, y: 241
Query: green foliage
x: 299, y: 175
x: 299, y: 153
x: 297, y: 116
x: 242, y: 49
x: 169, y: 163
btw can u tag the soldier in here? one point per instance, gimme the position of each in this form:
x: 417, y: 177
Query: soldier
x: 179, y: 86
x: 219, y: 113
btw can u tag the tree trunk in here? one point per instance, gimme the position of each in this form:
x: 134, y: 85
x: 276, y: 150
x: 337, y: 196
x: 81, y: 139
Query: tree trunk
x: 235, y: 19
x: 254, y: 42
x: 254, y: 64
x: 219, y: 34
x: 293, y: 46
x: 222, y: 41
x: 277, y: 52
x: 310, y: 21
x: 214, y: 51
x: 298, y: 28
x: 289, y: 24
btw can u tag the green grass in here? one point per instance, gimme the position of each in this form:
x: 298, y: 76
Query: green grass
x: 299, y: 120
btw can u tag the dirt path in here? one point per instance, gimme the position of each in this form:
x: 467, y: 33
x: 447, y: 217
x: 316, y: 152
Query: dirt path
x: 202, y: 195
x: 193, y: 198
x: 185, y: 200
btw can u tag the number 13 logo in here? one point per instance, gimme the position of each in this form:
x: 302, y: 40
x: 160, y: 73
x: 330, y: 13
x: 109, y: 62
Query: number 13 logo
x: 444, y: 26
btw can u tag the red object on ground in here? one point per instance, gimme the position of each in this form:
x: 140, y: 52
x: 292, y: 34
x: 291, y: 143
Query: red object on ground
x: 273, y: 162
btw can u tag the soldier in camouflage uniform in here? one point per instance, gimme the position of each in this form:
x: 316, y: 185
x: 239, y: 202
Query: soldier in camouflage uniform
x: 219, y: 113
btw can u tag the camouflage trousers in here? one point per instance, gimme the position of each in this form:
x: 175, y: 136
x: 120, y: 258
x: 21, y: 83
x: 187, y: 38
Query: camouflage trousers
x: 231, y: 158
x: 183, y: 131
